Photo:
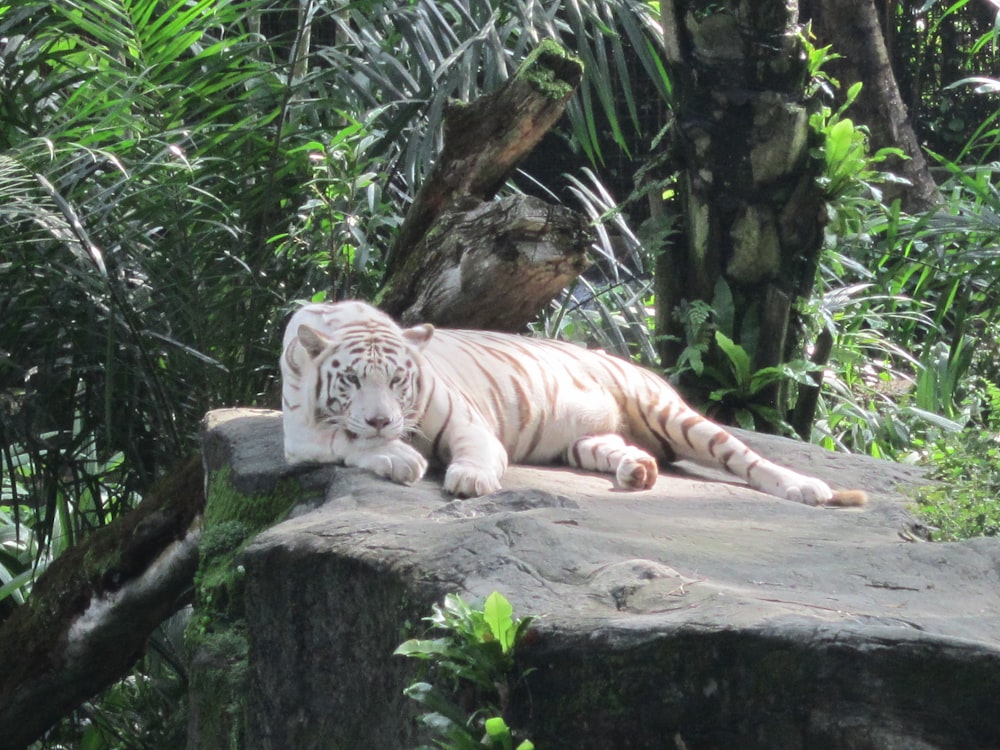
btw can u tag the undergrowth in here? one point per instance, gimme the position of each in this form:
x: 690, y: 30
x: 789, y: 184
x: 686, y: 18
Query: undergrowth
x: 967, y: 467
x: 471, y: 673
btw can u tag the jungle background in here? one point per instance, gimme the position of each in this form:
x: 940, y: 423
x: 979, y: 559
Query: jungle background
x: 176, y: 176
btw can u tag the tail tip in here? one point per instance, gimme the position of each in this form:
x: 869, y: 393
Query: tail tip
x: 848, y: 498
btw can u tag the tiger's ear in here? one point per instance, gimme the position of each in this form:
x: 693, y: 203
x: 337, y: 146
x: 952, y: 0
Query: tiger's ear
x: 312, y: 340
x: 418, y: 336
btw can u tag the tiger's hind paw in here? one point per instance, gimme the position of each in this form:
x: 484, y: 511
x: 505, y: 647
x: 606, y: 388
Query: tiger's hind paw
x: 634, y: 469
x: 637, y: 472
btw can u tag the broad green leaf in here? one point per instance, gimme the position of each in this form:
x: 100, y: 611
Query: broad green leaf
x: 839, y: 140
x: 744, y: 418
x: 423, y: 649
x: 497, y: 611
x: 436, y: 700
x: 723, y: 306
x: 739, y: 360
x: 496, y: 727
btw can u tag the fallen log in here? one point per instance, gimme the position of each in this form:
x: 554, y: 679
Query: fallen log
x: 92, y: 610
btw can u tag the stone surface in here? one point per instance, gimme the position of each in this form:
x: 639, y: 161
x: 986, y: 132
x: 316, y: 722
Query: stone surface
x: 698, y: 614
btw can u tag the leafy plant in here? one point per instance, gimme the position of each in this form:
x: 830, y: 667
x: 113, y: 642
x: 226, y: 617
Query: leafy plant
x: 474, y: 658
x: 339, y: 232
x: 967, y: 465
x: 911, y: 301
x: 411, y: 57
x: 850, y: 178
x: 743, y: 385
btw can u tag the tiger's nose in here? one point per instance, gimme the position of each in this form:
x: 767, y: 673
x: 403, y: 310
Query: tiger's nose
x: 378, y: 422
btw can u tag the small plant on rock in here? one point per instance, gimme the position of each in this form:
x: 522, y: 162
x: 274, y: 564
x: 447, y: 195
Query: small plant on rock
x: 473, y: 671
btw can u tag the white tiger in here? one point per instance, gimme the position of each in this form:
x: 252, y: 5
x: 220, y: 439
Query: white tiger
x: 359, y: 390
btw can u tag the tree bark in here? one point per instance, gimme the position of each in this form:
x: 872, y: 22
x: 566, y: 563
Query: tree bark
x: 92, y: 610
x: 751, y: 209
x: 483, y: 266
x: 492, y: 267
x: 852, y: 28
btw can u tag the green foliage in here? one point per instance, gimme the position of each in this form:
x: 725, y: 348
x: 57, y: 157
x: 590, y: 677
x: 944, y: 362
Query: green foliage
x: 341, y: 228
x: 412, y: 57
x: 146, y: 173
x: 941, y: 50
x: 741, y: 385
x: 476, y: 651
x: 735, y: 391
x: 911, y: 300
x: 849, y: 177
x: 967, y: 466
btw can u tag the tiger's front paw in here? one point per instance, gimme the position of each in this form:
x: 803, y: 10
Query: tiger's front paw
x: 468, y: 480
x: 396, y: 460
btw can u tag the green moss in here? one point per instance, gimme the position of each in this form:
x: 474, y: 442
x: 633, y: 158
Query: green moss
x: 551, y: 70
x: 258, y: 512
x: 220, y: 683
x: 222, y: 537
x: 232, y: 520
x: 216, y: 634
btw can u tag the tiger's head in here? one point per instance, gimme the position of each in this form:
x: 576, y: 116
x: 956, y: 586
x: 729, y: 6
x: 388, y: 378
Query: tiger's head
x: 367, y: 377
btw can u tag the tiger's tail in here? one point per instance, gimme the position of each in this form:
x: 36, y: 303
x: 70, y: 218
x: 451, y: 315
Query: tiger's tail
x: 675, y: 430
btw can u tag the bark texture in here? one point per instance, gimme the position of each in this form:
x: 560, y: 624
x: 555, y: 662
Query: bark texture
x: 500, y: 264
x: 492, y: 267
x: 92, y: 610
x: 751, y: 209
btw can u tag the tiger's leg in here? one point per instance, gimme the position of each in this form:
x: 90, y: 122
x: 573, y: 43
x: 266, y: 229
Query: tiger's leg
x: 634, y: 469
x: 477, y: 463
x: 390, y: 459
x: 305, y: 441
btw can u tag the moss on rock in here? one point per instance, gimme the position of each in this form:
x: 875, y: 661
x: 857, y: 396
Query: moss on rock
x: 216, y: 635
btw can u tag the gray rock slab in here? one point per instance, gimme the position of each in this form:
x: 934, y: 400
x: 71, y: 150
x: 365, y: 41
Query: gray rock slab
x: 697, y: 614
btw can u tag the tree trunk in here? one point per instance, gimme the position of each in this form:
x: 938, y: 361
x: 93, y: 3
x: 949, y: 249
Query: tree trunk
x: 92, y: 610
x: 751, y: 208
x: 461, y: 259
x: 852, y: 28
